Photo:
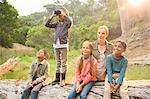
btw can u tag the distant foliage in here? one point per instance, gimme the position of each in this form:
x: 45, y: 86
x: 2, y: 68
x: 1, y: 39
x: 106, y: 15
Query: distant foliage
x: 9, y: 22
x: 40, y: 37
x: 25, y: 24
x: 87, y: 17
x: 6, y: 53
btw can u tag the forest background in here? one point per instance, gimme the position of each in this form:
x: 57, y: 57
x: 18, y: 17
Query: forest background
x: 23, y: 36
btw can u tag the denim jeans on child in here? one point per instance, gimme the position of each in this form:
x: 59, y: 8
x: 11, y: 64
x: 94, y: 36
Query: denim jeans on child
x: 33, y: 90
x: 83, y: 93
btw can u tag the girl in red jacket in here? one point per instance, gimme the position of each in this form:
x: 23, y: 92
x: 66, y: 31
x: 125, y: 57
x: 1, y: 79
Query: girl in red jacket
x: 85, y: 72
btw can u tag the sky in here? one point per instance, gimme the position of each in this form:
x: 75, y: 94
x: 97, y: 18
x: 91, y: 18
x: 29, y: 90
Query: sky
x: 26, y: 7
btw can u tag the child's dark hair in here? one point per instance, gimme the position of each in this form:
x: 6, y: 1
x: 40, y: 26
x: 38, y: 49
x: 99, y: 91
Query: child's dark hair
x: 123, y: 44
x: 45, y: 53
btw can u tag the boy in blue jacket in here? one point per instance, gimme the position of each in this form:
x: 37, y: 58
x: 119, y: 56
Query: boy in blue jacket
x: 116, y: 65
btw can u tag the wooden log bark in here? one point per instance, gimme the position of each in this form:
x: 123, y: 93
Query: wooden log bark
x: 8, y: 65
x: 139, y: 89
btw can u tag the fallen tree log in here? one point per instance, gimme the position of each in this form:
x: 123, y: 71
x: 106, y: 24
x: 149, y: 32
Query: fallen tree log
x: 8, y: 65
x: 138, y: 89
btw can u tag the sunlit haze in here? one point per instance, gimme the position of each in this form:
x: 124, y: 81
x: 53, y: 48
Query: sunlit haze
x: 26, y: 7
x: 136, y: 2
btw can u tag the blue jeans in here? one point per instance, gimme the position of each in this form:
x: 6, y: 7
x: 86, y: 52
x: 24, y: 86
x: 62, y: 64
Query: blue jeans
x: 83, y: 93
x: 33, y: 90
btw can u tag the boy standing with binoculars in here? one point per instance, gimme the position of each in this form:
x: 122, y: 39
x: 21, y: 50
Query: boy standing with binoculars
x: 60, y: 42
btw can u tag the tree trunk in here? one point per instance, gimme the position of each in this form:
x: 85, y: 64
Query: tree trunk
x: 124, y: 16
x: 130, y: 15
x: 148, y: 8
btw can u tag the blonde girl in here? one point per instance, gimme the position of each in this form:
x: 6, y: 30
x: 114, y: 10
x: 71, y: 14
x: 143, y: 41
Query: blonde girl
x: 85, y: 72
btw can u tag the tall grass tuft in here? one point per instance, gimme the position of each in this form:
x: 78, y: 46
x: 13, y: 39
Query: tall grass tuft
x: 5, y: 53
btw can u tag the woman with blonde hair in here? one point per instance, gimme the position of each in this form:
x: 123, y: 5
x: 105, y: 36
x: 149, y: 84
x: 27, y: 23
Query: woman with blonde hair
x: 101, y: 48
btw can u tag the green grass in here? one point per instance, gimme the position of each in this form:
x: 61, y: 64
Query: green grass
x: 22, y: 69
x: 27, y: 59
x: 138, y: 72
x: 52, y: 63
x: 17, y: 73
x: 5, y: 54
x: 72, y: 56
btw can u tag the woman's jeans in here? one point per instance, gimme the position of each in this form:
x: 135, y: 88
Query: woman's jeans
x: 33, y: 90
x: 83, y: 93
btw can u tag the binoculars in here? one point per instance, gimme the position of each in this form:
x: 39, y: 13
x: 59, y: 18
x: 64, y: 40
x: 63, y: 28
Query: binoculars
x: 57, y: 12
